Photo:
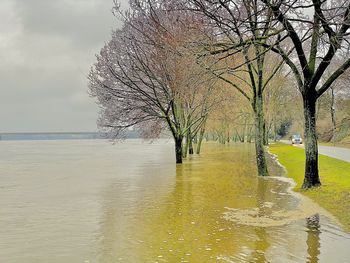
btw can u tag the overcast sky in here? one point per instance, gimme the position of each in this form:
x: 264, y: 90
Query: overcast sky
x: 46, y: 50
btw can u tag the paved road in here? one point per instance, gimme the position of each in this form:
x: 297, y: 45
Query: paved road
x: 335, y: 152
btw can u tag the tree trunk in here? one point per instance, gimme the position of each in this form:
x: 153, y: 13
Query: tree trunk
x: 334, y: 122
x: 265, y: 134
x: 311, y: 178
x: 222, y: 137
x: 274, y: 131
x: 249, y: 136
x: 178, y: 149
x: 200, y: 139
x: 190, y: 144
x: 259, y: 136
x: 185, y: 148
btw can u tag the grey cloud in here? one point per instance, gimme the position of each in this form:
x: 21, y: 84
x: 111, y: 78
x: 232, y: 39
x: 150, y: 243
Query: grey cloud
x: 83, y: 22
x: 48, y: 49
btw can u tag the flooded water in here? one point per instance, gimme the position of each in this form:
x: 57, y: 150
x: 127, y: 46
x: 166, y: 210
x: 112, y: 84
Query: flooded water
x: 90, y: 201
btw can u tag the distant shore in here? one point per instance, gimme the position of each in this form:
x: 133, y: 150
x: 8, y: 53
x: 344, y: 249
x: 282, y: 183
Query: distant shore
x: 50, y: 136
x: 23, y: 136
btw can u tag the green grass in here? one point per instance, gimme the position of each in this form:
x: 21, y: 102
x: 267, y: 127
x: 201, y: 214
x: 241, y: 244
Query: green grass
x: 334, y: 194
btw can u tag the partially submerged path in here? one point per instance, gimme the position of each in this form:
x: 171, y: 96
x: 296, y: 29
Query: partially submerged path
x: 334, y: 195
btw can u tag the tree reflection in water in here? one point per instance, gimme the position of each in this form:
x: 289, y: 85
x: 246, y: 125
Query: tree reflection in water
x: 313, y: 238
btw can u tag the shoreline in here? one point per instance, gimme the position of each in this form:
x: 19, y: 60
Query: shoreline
x: 334, y: 194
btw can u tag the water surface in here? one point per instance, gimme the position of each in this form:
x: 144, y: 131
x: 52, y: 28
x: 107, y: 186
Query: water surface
x: 90, y: 201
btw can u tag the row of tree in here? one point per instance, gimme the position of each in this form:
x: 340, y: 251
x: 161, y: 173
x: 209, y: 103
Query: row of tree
x: 175, y: 64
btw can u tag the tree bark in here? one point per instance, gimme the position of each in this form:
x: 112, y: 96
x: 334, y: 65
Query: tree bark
x: 259, y: 136
x: 190, y: 145
x: 333, y: 116
x: 178, y: 149
x: 249, y: 136
x: 185, y: 148
x: 265, y: 134
x: 274, y: 131
x: 311, y: 178
x: 200, y: 139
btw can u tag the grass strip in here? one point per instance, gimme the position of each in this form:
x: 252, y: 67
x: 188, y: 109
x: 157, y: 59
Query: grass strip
x: 334, y: 194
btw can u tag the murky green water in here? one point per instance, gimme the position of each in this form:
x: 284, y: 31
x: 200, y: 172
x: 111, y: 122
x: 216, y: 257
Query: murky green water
x: 89, y: 201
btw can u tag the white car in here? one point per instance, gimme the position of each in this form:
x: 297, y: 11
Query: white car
x: 296, y: 139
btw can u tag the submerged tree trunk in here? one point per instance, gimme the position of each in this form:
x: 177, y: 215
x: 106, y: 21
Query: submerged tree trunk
x: 311, y: 178
x: 185, y: 148
x: 249, y: 135
x: 200, y: 139
x: 190, y: 145
x: 178, y: 149
x: 259, y: 136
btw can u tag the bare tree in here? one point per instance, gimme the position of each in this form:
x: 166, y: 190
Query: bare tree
x: 317, y: 32
x: 311, y: 34
x: 238, y: 26
x: 141, y: 77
